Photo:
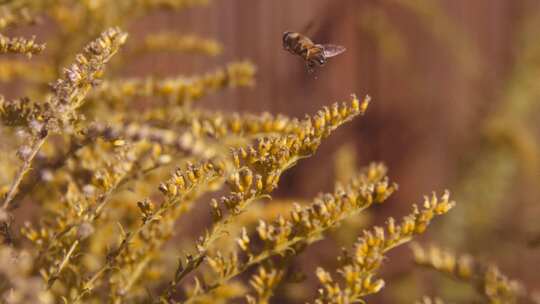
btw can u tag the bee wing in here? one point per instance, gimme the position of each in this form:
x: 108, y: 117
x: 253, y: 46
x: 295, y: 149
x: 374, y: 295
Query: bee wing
x: 331, y: 50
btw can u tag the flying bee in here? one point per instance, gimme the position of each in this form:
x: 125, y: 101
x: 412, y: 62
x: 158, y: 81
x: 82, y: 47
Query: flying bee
x: 313, y: 54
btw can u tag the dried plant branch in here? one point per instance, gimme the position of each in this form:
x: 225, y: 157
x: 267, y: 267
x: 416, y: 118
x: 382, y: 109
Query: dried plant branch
x: 304, y: 226
x: 257, y: 174
x: 68, y: 94
x: 172, y: 42
x: 175, y: 190
x: 76, y: 221
x: 494, y: 286
x: 179, y: 90
x: 358, y: 269
x: 20, y: 45
x: 27, y: 154
x: 265, y: 281
x: 188, y: 142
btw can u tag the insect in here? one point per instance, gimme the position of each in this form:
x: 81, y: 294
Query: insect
x: 313, y: 54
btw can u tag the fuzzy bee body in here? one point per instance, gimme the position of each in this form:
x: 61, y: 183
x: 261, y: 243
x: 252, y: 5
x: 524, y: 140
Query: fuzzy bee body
x: 313, y: 54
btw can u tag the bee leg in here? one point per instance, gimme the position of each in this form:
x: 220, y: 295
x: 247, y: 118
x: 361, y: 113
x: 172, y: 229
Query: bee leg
x: 310, y: 66
x: 307, y: 56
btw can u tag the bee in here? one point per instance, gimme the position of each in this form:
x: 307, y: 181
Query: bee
x: 313, y: 54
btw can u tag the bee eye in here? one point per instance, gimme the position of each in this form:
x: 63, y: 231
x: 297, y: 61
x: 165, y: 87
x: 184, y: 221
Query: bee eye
x: 285, y: 35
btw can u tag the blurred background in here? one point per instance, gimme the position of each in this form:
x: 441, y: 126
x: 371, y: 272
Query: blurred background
x: 455, y: 86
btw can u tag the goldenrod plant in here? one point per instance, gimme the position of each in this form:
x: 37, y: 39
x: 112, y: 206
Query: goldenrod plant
x: 125, y: 189
x: 493, y: 285
x: 20, y: 45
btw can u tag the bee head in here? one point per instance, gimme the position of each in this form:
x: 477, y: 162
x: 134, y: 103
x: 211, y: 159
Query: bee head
x: 286, y: 36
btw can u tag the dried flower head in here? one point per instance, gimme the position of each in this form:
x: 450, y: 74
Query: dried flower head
x: 20, y: 45
x: 358, y: 268
x: 486, y: 278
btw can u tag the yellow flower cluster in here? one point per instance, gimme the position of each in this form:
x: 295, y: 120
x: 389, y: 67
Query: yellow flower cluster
x: 304, y: 225
x: 359, y: 267
x: 20, y: 45
x: 180, y: 90
x: 487, y: 279
x: 19, y: 112
x: 223, y: 126
x: 264, y: 281
x: 70, y: 90
x: 256, y: 174
x: 185, y: 43
x: 68, y: 94
x: 77, y: 213
x: 188, y: 142
x: 175, y: 190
